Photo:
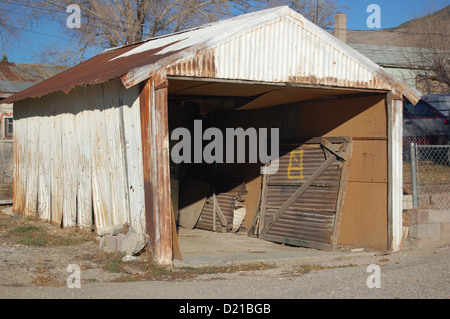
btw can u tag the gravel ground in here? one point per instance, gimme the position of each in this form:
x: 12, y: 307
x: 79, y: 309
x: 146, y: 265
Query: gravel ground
x: 40, y: 272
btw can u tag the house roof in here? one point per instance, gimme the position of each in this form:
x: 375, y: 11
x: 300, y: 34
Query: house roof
x: 390, y: 56
x: 273, y: 45
x: 15, y: 77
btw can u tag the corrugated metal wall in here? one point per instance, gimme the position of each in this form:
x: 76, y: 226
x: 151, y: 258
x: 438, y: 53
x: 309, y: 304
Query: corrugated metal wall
x: 285, y: 52
x: 78, y: 157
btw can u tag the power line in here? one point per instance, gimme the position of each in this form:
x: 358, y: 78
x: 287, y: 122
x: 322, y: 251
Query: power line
x: 116, y: 24
x: 120, y: 25
x: 24, y: 14
x: 32, y: 31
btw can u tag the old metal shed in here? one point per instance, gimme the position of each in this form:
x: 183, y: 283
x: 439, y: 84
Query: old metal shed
x: 92, y: 144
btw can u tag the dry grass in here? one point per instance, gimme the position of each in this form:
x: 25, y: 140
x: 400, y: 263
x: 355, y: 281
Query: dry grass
x: 33, y: 232
x: 433, y: 178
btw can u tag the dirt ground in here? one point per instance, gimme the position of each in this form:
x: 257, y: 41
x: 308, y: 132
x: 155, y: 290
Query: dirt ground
x: 35, y: 256
x: 36, y: 253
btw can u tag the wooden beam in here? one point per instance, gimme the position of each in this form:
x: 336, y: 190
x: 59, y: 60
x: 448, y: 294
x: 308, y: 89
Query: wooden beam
x: 155, y: 153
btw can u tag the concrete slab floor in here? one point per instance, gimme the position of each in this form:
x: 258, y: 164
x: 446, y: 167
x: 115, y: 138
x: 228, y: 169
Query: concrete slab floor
x: 201, y: 247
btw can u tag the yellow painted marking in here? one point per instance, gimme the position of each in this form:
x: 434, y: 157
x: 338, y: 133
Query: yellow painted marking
x: 295, y: 169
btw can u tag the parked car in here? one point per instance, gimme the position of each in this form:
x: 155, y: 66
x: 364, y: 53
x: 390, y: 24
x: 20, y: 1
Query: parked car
x: 441, y: 102
x: 424, y: 124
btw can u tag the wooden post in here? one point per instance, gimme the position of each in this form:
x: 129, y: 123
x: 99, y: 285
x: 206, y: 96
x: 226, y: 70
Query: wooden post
x: 394, y: 110
x: 155, y: 152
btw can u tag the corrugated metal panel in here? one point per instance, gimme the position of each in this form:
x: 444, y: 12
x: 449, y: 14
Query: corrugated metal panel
x: 226, y: 202
x: 24, y: 72
x: 274, y: 45
x: 284, y: 51
x: 15, y: 77
x: 74, y: 164
x: 44, y: 190
x: 13, y: 87
x: 310, y: 220
x: 228, y: 192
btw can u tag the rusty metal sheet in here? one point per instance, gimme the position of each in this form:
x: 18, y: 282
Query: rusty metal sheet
x: 97, y: 70
x: 277, y: 45
x: 91, y: 174
x: 15, y: 77
x: 310, y: 220
x: 227, y: 203
x: 229, y: 191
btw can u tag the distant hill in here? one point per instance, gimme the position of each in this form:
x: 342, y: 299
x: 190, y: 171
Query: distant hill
x: 406, y: 33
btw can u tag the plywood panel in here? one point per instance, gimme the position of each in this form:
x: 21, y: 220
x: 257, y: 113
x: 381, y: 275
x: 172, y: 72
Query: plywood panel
x: 357, y: 117
x: 369, y: 161
x: 364, y: 216
x: 252, y: 200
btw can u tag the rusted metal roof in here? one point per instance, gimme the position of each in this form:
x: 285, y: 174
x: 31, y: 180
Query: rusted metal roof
x: 15, y: 77
x: 276, y: 45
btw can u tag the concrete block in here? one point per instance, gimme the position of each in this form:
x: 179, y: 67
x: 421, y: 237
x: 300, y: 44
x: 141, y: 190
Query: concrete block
x: 132, y: 243
x: 445, y: 230
x: 425, y: 231
x: 407, y: 202
x: 100, y: 242
x: 112, y: 243
x: 429, y: 216
x: 419, y: 242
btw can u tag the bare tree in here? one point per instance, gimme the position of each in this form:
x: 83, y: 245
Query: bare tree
x: 320, y: 12
x: 430, y: 57
x: 6, y: 26
x: 112, y: 23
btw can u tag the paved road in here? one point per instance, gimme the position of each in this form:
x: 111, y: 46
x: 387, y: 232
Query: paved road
x: 417, y: 273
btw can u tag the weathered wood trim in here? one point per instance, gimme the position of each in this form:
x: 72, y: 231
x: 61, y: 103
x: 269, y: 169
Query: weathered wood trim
x: 155, y: 152
x: 394, y: 109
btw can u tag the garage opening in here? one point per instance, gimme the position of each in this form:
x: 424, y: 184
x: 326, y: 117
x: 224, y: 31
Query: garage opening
x: 302, y: 203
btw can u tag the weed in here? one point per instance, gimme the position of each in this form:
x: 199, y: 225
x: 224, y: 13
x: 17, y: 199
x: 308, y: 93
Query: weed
x: 24, y: 229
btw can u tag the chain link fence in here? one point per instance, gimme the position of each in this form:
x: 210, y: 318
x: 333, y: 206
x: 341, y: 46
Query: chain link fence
x: 426, y: 155
x: 430, y: 176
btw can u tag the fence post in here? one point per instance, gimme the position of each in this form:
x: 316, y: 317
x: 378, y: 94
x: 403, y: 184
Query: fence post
x: 414, y: 175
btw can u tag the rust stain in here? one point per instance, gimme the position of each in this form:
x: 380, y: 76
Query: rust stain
x: 24, y: 72
x: 98, y: 69
x: 200, y: 65
x: 154, y: 130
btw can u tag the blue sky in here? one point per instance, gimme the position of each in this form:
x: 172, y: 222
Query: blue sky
x: 25, y: 49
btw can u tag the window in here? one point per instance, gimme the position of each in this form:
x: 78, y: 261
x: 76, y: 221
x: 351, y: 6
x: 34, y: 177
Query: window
x: 8, y: 127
